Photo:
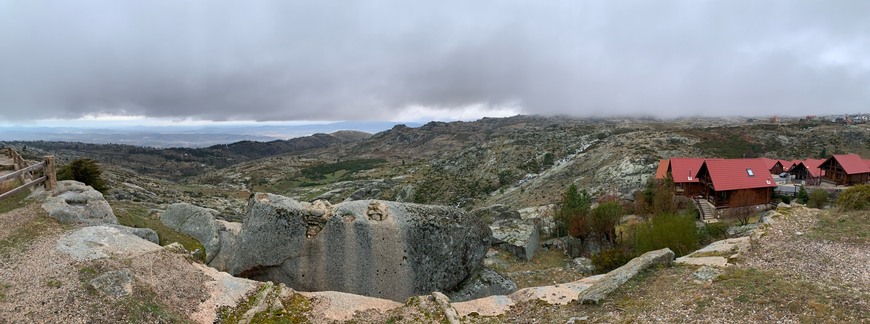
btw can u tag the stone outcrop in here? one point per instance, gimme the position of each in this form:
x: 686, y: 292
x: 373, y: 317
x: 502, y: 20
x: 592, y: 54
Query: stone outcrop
x: 717, y: 254
x: 485, y: 282
x: 75, y: 202
x: 100, y: 242
x: 517, y: 236
x: 143, y: 232
x: 493, y: 213
x: 375, y: 248
x: 612, y: 280
x: 197, y: 222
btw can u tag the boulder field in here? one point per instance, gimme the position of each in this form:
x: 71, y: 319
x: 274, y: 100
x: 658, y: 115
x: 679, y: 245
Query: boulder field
x: 375, y: 248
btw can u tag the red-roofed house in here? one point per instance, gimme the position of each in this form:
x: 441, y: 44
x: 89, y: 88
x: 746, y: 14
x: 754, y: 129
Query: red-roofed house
x: 786, y: 165
x: 773, y: 166
x: 846, y: 169
x: 662, y: 170
x: 808, y: 170
x: 684, y: 171
x: 720, y: 180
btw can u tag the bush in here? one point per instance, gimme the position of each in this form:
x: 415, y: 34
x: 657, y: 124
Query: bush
x: 86, y: 171
x: 818, y: 199
x: 786, y: 199
x: 854, y: 198
x: 674, y: 231
x: 713, y: 232
x: 610, y: 259
x: 803, y: 196
x: 603, y: 220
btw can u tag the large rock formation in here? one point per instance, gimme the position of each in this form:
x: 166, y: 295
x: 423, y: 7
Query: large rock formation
x: 197, y: 222
x: 518, y: 236
x: 374, y: 248
x: 75, y: 202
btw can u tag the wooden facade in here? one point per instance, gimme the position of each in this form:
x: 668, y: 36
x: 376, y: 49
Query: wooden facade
x: 845, y: 170
x: 731, y: 198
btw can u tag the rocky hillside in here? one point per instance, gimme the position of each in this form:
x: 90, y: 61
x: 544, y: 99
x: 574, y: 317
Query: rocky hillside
x: 519, y: 161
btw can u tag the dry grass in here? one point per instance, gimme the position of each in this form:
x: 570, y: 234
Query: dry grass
x: 545, y: 268
x: 853, y: 227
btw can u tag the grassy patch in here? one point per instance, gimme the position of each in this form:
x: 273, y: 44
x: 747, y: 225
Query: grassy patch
x: 294, y: 309
x: 143, y: 307
x: 14, y: 201
x: 545, y: 268
x: 53, y: 283
x: 3, y: 287
x: 843, y: 226
x: 134, y: 215
x: 25, y: 234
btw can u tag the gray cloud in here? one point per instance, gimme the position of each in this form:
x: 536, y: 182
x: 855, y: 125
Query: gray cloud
x: 340, y: 60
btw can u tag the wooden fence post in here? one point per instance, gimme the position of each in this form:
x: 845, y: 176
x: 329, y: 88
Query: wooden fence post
x: 50, y: 173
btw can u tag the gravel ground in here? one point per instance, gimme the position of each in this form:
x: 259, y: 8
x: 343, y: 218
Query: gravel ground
x: 787, y: 248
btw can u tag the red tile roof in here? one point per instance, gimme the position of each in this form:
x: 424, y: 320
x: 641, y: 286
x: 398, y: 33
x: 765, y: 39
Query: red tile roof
x: 733, y: 174
x: 770, y: 163
x: 662, y: 170
x: 851, y: 163
x: 685, y: 170
x: 867, y: 162
x: 786, y: 164
x: 812, y: 166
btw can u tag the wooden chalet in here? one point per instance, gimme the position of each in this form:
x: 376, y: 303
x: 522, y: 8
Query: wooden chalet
x: 773, y: 166
x: 845, y: 170
x: 722, y: 180
x: 808, y: 170
x: 684, y: 173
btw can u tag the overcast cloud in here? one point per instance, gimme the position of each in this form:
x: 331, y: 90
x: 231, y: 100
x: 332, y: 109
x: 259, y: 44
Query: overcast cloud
x: 383, y: 60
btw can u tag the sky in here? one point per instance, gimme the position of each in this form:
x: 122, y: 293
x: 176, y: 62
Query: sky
x: 169, y: 61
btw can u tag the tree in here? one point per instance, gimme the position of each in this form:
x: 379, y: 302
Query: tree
x: 86, y: 171
x: 802, y: 196
x: 572, y: 211
x: 603, y: 221
x: 855, y: 198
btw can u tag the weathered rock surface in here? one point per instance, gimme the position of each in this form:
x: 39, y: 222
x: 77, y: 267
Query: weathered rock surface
x: 339, y: 306
x: 612, y: 280
x: 115, y: 284
x: 99, y: 242
x: 75, y: 202
x: 145, y: 233
x: 542, y: 216
x: 718, y: 253
x: 583, y: 265
x: 197, y: 222
x: 374, y: 248
x: 496, y: 212
x: 518, y: 236
x: 485, y: 282
x: 706, y: 274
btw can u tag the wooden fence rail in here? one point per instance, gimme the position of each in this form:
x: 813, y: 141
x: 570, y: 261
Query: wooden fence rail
x: 28, y: 173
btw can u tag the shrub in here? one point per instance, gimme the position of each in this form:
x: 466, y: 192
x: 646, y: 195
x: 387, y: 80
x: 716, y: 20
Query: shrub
x: 818, y: 199
x: 713, y: 232
x: 803, y: 196
x: 571, y: 214
x: 674, y: 231
x: 610, y: 259
x: 854, y: 198
x: 86, y: 171
x: 786, y: 199
x: 603, y: 220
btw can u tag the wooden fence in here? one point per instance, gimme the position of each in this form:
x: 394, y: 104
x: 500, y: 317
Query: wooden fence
x: 28, y: 174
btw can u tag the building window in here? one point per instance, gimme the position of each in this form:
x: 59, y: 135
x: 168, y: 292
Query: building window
x: 749, y: 172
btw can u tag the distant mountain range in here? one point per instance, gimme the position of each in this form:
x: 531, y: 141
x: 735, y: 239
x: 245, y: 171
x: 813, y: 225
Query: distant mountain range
x: 184, y: 136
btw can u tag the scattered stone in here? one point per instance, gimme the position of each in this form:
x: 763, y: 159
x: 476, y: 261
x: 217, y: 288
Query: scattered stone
x: 75, y: 202
x: 575, y: 320
x: 115, y: 284
x: 619, y: 276
x: 520, y: 237
x: 583, y: 265
x: 448, y: 310
x: 744, y: 230
x: 197, y: 222
x: 706, y: 274
x: 412, y: 250
x: 484, y: 283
